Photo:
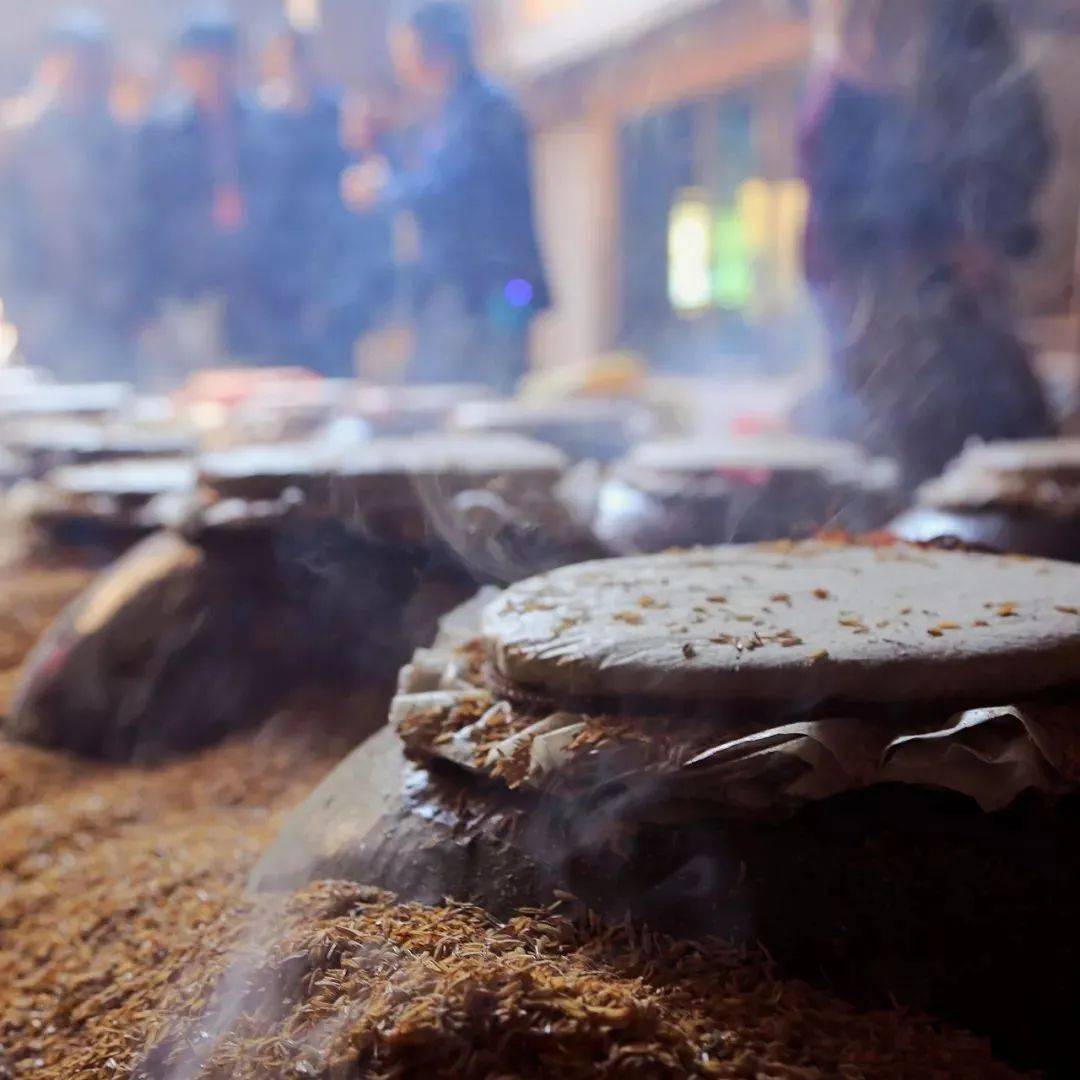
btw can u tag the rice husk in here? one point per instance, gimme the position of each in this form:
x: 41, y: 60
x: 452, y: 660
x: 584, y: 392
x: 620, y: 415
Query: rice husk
x: 32, y: 599
x: 355, y: 984
x: 129, y: 947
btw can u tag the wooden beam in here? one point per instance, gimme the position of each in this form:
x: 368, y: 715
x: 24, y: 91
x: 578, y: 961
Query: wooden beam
x: 693, y: 66
x: 692, y: 58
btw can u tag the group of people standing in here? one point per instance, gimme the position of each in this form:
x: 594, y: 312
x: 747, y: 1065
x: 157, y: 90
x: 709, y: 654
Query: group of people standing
x: 924, y: 147
x: 260, y: 203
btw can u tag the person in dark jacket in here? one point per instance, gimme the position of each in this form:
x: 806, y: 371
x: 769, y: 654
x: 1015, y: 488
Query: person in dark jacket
x: 201, y: 182
x: 921, y: 360
x: 470, y: 189
x: 68, y: 225
x: 322, y: 273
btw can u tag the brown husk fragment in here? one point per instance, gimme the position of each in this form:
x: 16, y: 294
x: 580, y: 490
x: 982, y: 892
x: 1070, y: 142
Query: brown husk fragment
x: 355, y: 984
x: 125, y: 934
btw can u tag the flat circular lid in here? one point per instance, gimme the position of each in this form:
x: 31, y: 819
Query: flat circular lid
x: 780, y: 454
x: 518, y: 415
x: 283, y: 461
x: 433, y: 397
x: 59, y: 399
x: 399, y: 460
x: 1037, y: 475
x: 82, y: 438
x: 794, y: 624
x: 451, y: 455
x: 1035, y: 456
x: 132, y: 479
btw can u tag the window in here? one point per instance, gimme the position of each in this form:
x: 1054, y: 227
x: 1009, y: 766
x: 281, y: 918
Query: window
x: 304, y: 14
x: 711, y: 234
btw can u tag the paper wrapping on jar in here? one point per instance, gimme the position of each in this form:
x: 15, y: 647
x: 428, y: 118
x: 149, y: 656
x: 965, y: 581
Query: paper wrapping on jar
x: 991, y: 755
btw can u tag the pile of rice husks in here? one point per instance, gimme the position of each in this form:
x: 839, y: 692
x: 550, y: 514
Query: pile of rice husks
x: 128, y: 948
x: 29, y: 600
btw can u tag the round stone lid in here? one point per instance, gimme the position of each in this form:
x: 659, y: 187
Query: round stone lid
x: 782, y: 454
x: 82, y: 439
x: 1040, y: 476
x: 792, y: 624
x: 1031, y: 457
x: 277, y: 461
x: 457, y: 455
x: 134, y: 479
x: 377, y: 474
x: 65, y: 399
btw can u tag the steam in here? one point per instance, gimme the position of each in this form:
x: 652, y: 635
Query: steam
x: 503, y: 532
x: 230, y: 998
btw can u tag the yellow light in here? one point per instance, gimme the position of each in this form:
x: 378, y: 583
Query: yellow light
x: 690, y: 232
x: 792, y: 209
x: 756, y: 206
x: 304, y: 14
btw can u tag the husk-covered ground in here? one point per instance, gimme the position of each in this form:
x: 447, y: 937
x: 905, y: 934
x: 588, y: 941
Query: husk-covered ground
x: 128, y: 947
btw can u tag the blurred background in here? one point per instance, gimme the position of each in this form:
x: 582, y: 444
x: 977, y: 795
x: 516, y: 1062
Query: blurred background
x: 668, y: 193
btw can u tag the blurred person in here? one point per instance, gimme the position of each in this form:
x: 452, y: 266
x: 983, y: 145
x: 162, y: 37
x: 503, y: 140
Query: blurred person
x: 919, y: 362
x: 202, y: 182
x: 482, y: 278
x: 68, y: 211
x: 988, y: 130
x: 135, y: 86
x: 869, y: 186
x: 321, y: 272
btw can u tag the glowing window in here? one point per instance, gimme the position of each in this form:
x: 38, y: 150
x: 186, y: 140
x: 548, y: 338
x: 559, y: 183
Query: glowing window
x: 690, y: 245
x: 743, y: 256
x: 733, y: 262
x: 304, y: 14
